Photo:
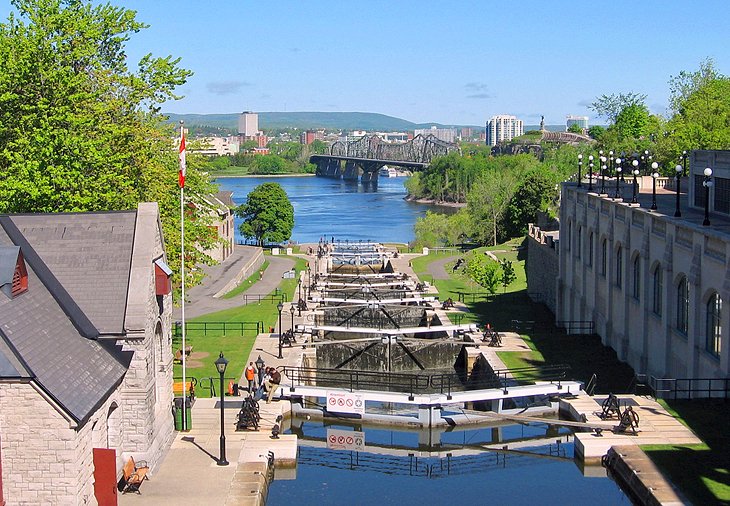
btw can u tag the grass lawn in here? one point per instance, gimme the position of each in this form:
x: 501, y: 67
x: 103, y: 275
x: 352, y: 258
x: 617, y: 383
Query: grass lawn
x: 246, y: 283
x: 235, y: 347
x: 700, y: 471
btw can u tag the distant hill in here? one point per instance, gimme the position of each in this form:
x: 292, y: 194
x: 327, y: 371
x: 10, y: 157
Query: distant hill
x: 311, y: 120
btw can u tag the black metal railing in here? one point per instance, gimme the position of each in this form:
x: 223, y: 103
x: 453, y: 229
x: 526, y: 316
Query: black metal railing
x: 358, y: 380
x: 524, y: 375
x: 277, y: 296
x: 203, y: 329
x: 690, y: 388
x: 581, y: 327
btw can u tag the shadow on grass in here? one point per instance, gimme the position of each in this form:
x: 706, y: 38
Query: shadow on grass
x: 585, y: 354
x: 700, y: 471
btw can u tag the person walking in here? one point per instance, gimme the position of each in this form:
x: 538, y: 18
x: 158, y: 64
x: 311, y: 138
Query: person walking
x: 250, y: 375
x: 261, y: 372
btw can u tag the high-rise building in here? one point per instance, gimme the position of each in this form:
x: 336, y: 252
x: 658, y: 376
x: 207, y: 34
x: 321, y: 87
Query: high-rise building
x: 443, y: 134
x: 581, y: 121
x: 503, y: 128
x: 248, y: 125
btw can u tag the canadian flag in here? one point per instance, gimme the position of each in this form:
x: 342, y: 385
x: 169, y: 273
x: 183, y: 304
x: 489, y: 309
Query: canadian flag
x: 181, y: 156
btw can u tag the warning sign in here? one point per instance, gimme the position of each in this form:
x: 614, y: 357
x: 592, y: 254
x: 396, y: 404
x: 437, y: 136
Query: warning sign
x: 346, y: 402
x: 345, y: 440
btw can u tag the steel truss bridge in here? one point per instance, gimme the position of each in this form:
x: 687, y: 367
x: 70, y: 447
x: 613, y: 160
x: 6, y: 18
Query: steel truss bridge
x: 364, y: 157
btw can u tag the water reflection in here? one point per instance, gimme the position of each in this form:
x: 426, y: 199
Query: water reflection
x: 495, y: 463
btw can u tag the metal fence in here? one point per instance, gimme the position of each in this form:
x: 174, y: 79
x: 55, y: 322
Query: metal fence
x: 688, y: 388
x: 205, y: 329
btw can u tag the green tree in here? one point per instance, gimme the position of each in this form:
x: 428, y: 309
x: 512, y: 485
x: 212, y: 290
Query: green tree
x: 483, y: 271
x: 575, y: 129
x: 269, y: 164
x: 632, y: 121
x: 488, y: 201
x: 536, y: 192
x: 508, y: 273
x: 268, y: 215
x: 596, y: 132
x: 610, y: 106
x: 79, y: 131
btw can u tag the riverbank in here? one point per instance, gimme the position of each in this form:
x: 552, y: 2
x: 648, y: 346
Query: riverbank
x: 434, y: 202
x: 224, y: 176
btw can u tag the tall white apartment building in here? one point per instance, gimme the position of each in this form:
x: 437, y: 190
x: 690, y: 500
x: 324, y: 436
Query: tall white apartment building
x: 248, y: 124
x: 581, y: 121
x: 503, y: 128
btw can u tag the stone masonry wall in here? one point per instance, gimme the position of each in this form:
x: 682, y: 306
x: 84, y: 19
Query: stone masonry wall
x: 542, y: 266
x: 45, y: 461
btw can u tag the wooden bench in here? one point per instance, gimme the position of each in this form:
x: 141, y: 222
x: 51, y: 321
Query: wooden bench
x: 134, y: 473
x: 177, y: 388
x: 179, y: 354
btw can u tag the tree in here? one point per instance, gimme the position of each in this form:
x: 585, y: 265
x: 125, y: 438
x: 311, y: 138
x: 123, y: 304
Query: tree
x: 79, y: 131
x: 268, y: 164
x: 508, y: 273
x: 596, y: 132
x: 609, y: 106
x: 535, y: 193
x: 488, y: 201
x: 483, y: 271
x: 632, y: 122
x: 268, y: 215
x: 575, y: 129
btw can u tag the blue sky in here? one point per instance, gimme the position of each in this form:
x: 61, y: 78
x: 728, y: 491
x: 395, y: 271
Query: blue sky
x: 429, y: 61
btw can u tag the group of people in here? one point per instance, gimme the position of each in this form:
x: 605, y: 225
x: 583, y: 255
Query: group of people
x: 268, y: 381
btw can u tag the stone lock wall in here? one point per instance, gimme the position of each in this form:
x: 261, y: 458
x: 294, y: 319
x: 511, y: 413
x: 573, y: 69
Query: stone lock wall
x: 542, y: 266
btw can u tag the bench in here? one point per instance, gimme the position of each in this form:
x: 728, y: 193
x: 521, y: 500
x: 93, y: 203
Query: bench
x: 177, y: 388
x: 179, y: 354
x: 134, y: 473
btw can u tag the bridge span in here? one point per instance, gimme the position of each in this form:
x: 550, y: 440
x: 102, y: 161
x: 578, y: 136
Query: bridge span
x: 364, y: 157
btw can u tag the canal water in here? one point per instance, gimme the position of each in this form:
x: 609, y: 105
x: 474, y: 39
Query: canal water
x: 341, y: 209
x: 384, y: 466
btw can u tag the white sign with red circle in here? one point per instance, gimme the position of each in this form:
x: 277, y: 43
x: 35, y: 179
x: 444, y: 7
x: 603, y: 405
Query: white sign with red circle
x: 346, y: 402
x: 351, y: 440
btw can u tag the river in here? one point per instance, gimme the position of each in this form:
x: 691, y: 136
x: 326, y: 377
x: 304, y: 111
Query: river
x: 341, y: 209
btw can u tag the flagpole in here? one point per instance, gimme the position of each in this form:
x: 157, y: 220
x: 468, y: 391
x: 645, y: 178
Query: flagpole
x: 181, y: 181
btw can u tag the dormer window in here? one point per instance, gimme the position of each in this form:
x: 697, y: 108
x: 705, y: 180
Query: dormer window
x: 13, y: 273
x: 163, y: 284
x: 20, y: 277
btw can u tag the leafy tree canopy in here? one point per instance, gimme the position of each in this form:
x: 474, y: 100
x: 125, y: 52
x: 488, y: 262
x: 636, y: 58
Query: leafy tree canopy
x: 79, y: 130
x: 610, y: 106
x: 268, y: 215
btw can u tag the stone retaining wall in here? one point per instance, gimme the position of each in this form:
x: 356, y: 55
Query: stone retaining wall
x: 541, y: 267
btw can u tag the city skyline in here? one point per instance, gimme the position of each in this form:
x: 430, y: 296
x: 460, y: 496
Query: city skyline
x: 427, y: 61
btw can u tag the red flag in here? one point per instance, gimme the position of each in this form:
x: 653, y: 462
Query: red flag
x: 181, y: 156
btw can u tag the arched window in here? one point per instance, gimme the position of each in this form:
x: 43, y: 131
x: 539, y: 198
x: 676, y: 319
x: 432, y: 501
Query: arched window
x: 578, y: 246
x: 570, y: 234
x: 590, y: 250
x: 657, y: 290
x: 636, y: 277
x: 619, y: 261
x: 714, y: 325
x: 604, y: 256
x: 683, y: 304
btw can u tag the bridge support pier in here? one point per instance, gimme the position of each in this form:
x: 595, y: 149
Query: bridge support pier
x: 328, y: 167
x: 352, y: 171
x: 370, y: 171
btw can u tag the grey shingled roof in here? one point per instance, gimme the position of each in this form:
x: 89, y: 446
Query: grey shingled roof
x: 11, y: 366
x: 43, y: 328
x: 90, y: 255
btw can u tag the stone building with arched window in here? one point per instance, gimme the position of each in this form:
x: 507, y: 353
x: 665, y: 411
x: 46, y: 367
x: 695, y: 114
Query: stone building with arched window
x: 85, y: 352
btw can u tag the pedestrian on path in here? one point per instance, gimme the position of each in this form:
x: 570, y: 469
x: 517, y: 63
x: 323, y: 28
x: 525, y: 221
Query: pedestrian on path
x: 250, y: 375
x: 261, y: 371
x: 261, y: 275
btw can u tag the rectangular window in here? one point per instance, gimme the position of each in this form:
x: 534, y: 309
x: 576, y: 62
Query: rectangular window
x: 590, y: 250
x: 619, y: 260
x: 604, y: 257
x: 722, y: 195
x: 658, y: 288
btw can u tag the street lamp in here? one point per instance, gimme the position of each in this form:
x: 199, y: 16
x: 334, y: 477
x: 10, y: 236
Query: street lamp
x: 280, y: 307
x: 678, y: 169
x: 300, y: 299
x: 617, y: 161
x: 611, y: 160
x: 707, y: 183
x: 654, y: 175
x: 635, y: 172
x: 580, y: 164
x: 684, y: 160
x: 292, y: 309
x: 590, y: 173
x: 260, y: 368
x: 603, y: 174
x: 221, y: 363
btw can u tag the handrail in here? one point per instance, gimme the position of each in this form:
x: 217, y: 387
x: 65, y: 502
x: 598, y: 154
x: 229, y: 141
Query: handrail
x: 358, y: 380
x: 688, y: 388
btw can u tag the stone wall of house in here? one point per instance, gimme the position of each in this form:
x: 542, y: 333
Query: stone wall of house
x: 541, y: 267
x: 45, y: 460
x: 147, y: 423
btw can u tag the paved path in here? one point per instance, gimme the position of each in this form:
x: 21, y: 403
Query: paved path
x: 436, y: 268
x: 200, y: 300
